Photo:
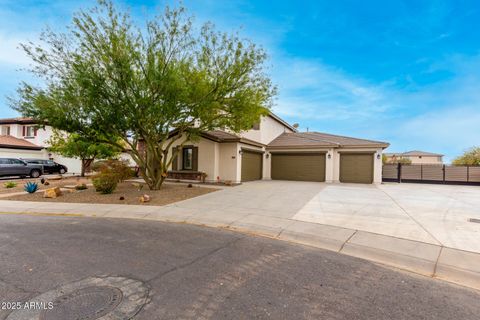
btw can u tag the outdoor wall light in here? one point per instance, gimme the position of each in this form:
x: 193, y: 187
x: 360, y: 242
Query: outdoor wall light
x: 378, y: 156
x: 240, y: 152
x: 329, y: 156
x: 267, y: 155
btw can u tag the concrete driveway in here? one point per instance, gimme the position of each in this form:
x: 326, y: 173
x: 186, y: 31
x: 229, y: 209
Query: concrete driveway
x: 435, y: 214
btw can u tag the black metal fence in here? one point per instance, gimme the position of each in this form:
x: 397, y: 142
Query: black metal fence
x: 431, y: 173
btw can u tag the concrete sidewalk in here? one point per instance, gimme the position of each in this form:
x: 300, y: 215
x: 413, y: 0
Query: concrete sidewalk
x: 433, y: 260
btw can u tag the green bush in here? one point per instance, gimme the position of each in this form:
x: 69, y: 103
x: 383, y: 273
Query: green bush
x: 105, y: 183
x: 81, y: 186
x: 119, y: 168
x: 10, y: 184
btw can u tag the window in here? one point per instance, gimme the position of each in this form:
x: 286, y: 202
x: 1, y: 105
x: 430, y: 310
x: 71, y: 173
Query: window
x: 30, y: 131
x: 17, y: 162
x: 6, y: 130
x: 187, y: 158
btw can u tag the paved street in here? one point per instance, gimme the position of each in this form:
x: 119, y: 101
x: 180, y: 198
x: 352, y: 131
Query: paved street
x: 167, y: 271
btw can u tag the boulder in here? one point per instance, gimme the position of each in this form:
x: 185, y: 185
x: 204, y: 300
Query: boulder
x: 144, y: 198
x: 52, y: 193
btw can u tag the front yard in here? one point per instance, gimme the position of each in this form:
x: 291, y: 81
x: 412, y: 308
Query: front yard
x: 126, y: 193
x: 20, y: 183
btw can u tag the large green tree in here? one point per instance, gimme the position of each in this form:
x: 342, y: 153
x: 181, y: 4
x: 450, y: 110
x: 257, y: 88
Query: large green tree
x: 470, y: 157
x: 116, y: 82
x: 76, y: 146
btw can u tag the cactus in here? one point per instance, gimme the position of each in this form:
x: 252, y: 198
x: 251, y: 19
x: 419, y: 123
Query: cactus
x: 31, y: 187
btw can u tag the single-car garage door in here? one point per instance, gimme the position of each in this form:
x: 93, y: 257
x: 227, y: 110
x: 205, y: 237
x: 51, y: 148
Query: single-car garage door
x: 251, y: 165
x: 298, y: 166
x: 356, y: 167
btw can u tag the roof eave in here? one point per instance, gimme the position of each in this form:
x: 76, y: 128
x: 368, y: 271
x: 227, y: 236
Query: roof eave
x: 11, y: 146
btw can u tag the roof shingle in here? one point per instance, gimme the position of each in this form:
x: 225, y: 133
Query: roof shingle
x: 16, y: 143
x: 319, y: 139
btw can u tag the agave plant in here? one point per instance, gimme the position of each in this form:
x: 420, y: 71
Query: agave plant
x: 31, y: 187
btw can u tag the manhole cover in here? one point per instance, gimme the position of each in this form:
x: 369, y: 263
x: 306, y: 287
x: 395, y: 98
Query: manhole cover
x: 113, y: 298
x: 84, y: 304
x: 474, y: 220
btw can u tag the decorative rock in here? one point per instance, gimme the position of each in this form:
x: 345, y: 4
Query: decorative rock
x: 145, y: 198
x: 52, y: 193
x: 190, y: 185
x: 46, y: 183
x: 121, y: 198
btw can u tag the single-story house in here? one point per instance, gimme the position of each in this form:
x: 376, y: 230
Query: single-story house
x: 273, y: 149
x: 416, y: 157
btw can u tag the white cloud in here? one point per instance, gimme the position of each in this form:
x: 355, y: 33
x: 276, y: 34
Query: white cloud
x: 312, y: 90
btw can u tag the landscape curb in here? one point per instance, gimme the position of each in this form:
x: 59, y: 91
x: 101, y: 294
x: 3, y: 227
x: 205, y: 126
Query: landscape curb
x: 434, y: 261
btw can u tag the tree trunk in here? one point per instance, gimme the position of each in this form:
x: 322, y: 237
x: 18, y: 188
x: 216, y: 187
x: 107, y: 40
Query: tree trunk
x: 85, y: 164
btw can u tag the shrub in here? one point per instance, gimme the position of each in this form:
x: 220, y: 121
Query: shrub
x: 105, y: 183
x: 10, y: 184
x: 81, y: 186
x: 31, y: 187
x: 119, y: 168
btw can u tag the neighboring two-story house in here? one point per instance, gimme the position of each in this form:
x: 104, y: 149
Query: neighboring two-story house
x: 272, y: 149
x: 415, y: 157
x: 20, y: 138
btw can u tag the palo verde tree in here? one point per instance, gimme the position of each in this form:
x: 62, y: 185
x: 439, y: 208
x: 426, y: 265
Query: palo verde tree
x: 118, y: 83
x: 75, y: 146
x: 470, y: 157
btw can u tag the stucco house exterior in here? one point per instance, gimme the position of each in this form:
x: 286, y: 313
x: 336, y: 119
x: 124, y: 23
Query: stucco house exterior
x: 416, y: 157
x: 20, y: 138
x: 273, y: 149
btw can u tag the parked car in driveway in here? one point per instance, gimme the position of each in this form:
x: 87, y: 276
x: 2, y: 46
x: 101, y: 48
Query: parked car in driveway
x: 49, y: 166
x: 18, y: 167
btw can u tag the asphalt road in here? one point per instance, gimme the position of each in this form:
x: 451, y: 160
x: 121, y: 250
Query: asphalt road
x: 192, y: 272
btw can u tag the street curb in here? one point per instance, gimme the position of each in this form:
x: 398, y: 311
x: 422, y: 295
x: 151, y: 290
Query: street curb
x: 434, y: 261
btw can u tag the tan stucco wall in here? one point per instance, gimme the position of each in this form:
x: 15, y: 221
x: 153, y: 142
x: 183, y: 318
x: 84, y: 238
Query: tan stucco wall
x: 424, y: 160
x: 229, y: 164
x: 417, y: 160
x: 269, y: 130
x: 207, y: 156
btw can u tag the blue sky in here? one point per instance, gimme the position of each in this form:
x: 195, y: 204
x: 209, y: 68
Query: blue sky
x: 406, y: 72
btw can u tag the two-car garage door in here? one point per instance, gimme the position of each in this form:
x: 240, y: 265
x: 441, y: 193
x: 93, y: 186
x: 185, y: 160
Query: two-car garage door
x: 298, y: 166
x: 354, y: 167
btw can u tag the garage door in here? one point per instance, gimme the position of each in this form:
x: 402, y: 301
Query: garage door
x: 251, y: 165
x: 298, y: 166
x: 356, y: 168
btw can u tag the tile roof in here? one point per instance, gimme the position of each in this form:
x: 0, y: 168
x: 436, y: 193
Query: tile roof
x: 18, y: 120
x: 222, y: 135
x: 16, y: 143
x: 417, y: 153
x: 318, y: 139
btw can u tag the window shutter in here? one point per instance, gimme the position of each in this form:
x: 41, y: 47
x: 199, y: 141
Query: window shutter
x: 23, y: 128
x: 35, y: 132
x: 175, y: 159
x: 195, y: 159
